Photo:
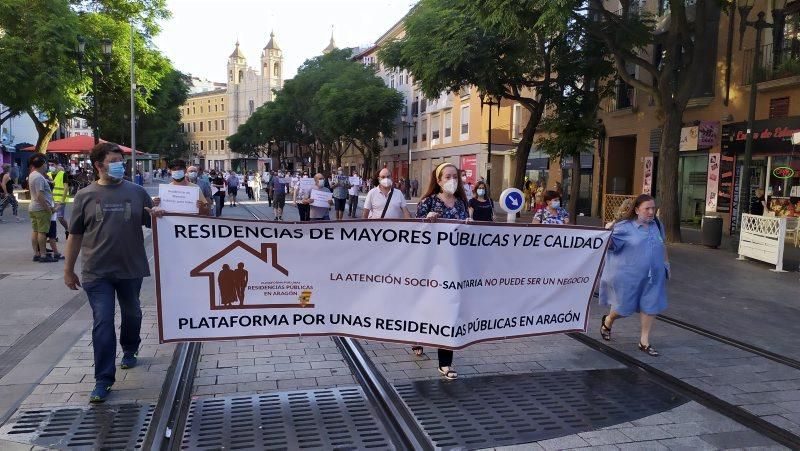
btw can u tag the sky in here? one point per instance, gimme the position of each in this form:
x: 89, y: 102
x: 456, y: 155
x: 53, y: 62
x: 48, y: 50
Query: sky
x: 202, y: 33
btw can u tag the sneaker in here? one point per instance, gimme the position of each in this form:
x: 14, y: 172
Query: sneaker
x: 128, y: 361
x: 58, y: 256
x: 47, y: 259
x: 100, y: 392
x: 37, y: 258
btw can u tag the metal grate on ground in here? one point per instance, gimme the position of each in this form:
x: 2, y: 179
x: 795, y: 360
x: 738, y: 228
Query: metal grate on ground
x: 107, y: 427
x: 490, y: 411
x: 337, y: 418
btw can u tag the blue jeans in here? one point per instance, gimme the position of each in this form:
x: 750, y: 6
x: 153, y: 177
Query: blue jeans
x: 104, y: 340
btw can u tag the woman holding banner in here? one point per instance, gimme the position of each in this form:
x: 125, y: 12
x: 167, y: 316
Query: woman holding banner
x: 444, y: 199
x: 636, y: 271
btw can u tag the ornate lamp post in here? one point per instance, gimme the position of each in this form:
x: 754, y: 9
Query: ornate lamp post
x: 490, y: 101
x: 745, y: 6
x: 94, y: 67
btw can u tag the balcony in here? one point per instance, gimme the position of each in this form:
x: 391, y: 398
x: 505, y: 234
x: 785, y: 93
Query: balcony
x: 776, y: 68
x: 624, y: 99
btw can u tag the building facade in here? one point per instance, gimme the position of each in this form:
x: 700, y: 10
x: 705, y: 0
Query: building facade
x: 715, y: 125
x: 215, y: 110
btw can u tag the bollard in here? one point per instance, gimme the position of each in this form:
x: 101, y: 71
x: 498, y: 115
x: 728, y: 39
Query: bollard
x: 511, y: 201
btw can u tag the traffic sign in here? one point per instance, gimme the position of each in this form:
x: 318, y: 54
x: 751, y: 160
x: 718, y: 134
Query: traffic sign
x: 511, y: 200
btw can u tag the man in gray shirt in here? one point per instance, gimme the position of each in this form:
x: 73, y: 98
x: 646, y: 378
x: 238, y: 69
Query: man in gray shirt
x: 106, y: 226
x: 41, y: 208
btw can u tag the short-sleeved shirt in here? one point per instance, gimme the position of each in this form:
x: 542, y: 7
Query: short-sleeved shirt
x: 353, y: 191
x: 219, y: 183
x: 110, y: 218
x: 319, y: 212
x: 376, y: 201
x: 545, y: 217
x: 37, y: 183
x: 434, y: 204
x: 278, y: 188
x: 342, y: 183
x: 481, y: 211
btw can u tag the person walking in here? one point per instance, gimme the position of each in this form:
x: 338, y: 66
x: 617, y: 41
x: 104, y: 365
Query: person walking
x: 218, y: 188
x: 233, y: 187
x: 320, y: 213
x: 7, y: 193
x: 41, y: 208
x: 266, y: 179
x: 636, y: 270
x: 553, y: 214
x: 193, y: 175
x: 414, y: 187
x: 60, y: 192
x: 353, y: 192
x: 385, y: 201
x: 444, y: 199
x: 302, y: 193
x: 341, y: 186
x: 481, y: 207
x: 257, y: 187
x: 106, y: 226
x: 279, y: 195
x: 249, y: 184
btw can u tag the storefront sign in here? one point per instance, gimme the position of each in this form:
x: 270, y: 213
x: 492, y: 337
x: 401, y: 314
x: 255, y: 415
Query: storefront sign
x: 689, y: 138
x: 707, y: 134
x: 469, y: 164
x: 769, y: 135
x: 783, y: 172
x: 647, y: 180
x: 712, y: 183
x: 406, y: 281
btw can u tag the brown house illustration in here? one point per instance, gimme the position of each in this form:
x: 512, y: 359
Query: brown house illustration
x: 230, y: 280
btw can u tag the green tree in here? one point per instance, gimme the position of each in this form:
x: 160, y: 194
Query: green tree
x: 42, y: 76
x: 506, y: 49
x: 673, y: 57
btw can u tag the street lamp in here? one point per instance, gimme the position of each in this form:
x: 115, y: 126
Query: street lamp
x: 408, y: 125
x: 745, y: 6
x: 490, y: 101
x: 94, y: 66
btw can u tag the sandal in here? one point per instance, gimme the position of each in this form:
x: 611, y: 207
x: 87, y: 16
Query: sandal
x: 417, y: 350
x: 448, y: 373
x: 605, y: 331
x: 648, y: 349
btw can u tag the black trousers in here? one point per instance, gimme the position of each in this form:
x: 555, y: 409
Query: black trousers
x: 445, y: 357
x: 353, y: 205
x: 305, y: 211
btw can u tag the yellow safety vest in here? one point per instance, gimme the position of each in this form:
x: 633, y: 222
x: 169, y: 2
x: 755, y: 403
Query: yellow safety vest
x: 59, y: 191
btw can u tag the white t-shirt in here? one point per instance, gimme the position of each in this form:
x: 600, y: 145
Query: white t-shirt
x: 376, y: 200
x: 353, y: 191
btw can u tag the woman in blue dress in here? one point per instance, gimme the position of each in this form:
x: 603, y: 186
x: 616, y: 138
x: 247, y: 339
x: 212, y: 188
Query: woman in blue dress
x: 636, y: 271
x: 444, y: 199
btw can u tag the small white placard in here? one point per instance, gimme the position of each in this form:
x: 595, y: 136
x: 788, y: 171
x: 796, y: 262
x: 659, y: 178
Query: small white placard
x: 321, y: 198
x: 178, y: 198
x: 307, y: 183
x: 355, y: 181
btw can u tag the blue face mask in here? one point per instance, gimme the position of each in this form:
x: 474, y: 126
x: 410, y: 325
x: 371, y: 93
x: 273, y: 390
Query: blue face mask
x: 178, y: 175
x: 116, y: 169
x: 555, y: 203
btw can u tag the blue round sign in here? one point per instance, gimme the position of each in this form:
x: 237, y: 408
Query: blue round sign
x: 513, y: 200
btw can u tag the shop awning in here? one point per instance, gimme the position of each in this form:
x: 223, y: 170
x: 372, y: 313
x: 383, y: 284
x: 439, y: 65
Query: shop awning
x: 80, y: 144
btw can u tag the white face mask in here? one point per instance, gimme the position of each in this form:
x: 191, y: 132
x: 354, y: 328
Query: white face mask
x: 321, y: 182
x: 481, y: 191
x: 386, y: 183
x: 555, y: 204
x: 450, y: 186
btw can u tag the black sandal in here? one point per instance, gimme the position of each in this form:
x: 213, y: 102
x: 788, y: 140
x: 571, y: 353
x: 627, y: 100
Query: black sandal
x: 417, y: 350
x: 648, y: 349
x: 448, y: 373
x: 605, y: 331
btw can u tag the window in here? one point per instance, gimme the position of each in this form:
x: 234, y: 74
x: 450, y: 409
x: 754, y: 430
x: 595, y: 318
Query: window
x: 395, y: 142
x: 216, y: 125
x: 435, y: 128
x: 222, y: 107
x: 194, y: 127
x: 391, y: 81
x: 194, y: 110
x: 209, y: 125
x: 209, y: 145
x: 779, y: 107
x: 252, y: 105
x: 222, y: 125
x: 400, y: 80
x: 276, y: 70
x: 424, y: 130
x: 222, y: 144
x: 201, y: 145
x: 516, y: 120
x: 201, y: 126
x: 201, y: 109
x: 464, y: 121
x: 216, y: 145
x: 448, y: 124
x: 215, y: 108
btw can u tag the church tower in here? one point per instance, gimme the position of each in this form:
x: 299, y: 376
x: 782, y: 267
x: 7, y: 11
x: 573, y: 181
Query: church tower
x: 237, y: 65
x: 272, y: 64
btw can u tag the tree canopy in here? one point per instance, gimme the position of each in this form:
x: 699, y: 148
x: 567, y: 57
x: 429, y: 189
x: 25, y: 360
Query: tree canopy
x: 332, y: 102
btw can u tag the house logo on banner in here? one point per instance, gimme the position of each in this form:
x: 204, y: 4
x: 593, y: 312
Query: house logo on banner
x: 230, y: 285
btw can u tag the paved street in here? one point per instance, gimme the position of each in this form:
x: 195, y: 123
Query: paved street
x: 743, y: 300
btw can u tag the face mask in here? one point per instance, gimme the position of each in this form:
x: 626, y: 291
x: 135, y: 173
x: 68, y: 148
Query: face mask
x: 51, y: 168
x: 178, y: 175
x: 339, y: 172
x: 280, y: 174
x: 450, y: 186
x: 481, y: 192
x: 321, y: 182
x: 116, y: 170
x: 192, y: 175
x: 555, y: 203
x: 386, y: 183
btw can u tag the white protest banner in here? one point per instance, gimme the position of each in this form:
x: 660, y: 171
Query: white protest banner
x: 307, y: 183
x: 320, y: 198
x: 355, y: 181
x: 178, y: 198
x: 445, y: 284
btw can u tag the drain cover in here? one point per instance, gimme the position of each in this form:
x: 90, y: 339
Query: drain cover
x: 109, y: 426
x: 338, y: 418
x: 493, y: 411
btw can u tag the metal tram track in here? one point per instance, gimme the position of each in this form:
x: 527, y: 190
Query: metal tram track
x: 736, y: 413
x: 171, y: 411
